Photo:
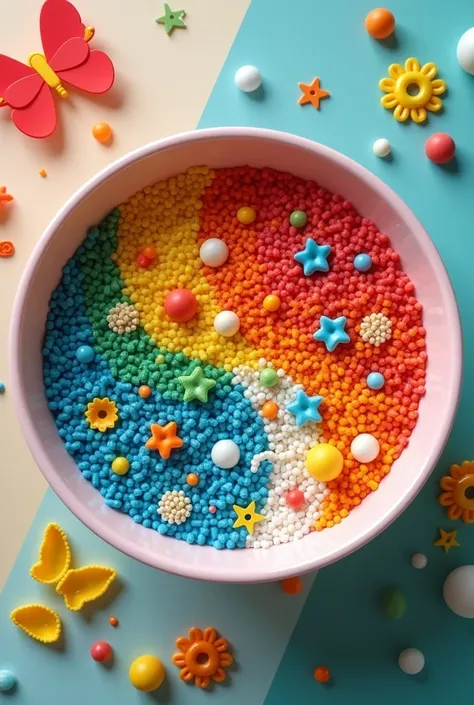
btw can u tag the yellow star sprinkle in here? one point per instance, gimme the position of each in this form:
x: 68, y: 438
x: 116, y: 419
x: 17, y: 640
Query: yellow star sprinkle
x: 247, y: 516
x: 447, y: 540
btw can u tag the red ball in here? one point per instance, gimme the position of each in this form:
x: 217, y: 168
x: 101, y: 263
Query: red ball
x: 143, y: 261
x: 295, y: 499
x: 180, y: 305
x: 101, y: 651
x: 440, y: 148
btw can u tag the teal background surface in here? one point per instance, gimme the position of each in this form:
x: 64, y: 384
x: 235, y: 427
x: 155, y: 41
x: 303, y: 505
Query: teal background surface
x: 341, y: 625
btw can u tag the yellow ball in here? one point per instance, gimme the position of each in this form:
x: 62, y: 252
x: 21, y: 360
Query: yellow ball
x: 271, y: 302
x: 246, y: 215
x: 146, y: 673
x: 324, y: 462
x: 120, y: 466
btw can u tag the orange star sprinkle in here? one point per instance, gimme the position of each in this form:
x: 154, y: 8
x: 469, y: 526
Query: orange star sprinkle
x: 4, y: 196
x: 312, y: 93
x: 164, y: 439
x: 447, y: 540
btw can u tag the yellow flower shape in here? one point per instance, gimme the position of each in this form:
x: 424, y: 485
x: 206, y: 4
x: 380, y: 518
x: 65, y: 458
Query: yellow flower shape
x: 202, y: 657
x: 458, y: 495
x: 412, y: 90
x: 101, y: 414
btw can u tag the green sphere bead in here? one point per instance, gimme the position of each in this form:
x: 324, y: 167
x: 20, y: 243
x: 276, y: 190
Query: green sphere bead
x: 298, y: 219
x: 268, y: 377
x: 393, y: 603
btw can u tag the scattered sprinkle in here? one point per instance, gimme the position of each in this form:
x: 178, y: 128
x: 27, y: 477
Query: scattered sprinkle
x: 171, y: 19
x: 312, y: 93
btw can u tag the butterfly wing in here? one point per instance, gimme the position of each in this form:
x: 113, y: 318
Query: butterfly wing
x: 72, y: 53
x: 23, y: 92
x: 38, y: 119
x: 12, y: 71
x: 95, y: 75
x: 59, y: 22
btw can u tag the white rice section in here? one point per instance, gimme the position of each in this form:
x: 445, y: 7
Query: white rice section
x: 288, y: 446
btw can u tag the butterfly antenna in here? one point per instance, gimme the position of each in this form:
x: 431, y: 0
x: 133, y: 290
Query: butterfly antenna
x: 89, y: 33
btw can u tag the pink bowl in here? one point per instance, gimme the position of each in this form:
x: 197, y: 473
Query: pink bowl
x: 219, y: 148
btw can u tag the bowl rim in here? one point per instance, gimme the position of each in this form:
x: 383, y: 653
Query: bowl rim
x: 20, y: 395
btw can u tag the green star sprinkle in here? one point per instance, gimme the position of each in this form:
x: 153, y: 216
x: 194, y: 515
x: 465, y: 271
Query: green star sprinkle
x: 171, y: 19
x: 196, y: 385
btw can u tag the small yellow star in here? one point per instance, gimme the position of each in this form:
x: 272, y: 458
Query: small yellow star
x: 247, y: 516
x: 447, y: 540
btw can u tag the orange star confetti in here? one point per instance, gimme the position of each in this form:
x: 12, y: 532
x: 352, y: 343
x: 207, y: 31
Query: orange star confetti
x: 447, y: 540
x: 164, y: 439
x: 312, y: 93
x: 4, y: 196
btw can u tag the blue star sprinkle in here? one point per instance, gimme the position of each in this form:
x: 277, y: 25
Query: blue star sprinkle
x: 305, y: 408
x: 314, y: 257
x: 332, y: 331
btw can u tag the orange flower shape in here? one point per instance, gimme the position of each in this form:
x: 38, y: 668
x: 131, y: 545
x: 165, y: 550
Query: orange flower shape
x: 458, y: 496
x: 203, y: 656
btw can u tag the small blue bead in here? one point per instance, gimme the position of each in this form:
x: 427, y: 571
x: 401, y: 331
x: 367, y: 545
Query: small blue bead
x: 362, y: 262
x: 7, y: 681
x: 2, y: 387
x: 375, y: 380
x: 85, y: 354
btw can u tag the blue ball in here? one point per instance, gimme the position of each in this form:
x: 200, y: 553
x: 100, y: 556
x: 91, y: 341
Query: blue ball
x: 362, y: 262
x: 85, y: 353
x: 2, y: 387
x: 7, y: 681
x: 375, y: 380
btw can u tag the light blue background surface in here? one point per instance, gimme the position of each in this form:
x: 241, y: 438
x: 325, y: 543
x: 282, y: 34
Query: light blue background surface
x: 341, y: 624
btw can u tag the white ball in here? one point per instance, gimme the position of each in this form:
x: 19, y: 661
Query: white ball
x: 365, y: 448
x: 227, y: 323
x: 458, y: 591
x: 465, y: 51
x: 411, y: 661
x: 214, y: 252
x: 381, y: 147
x: 225, y: 454
x: 248, y: 78
x: 419, y: 561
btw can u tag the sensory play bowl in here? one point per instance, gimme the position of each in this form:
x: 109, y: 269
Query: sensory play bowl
x: 374, y: 200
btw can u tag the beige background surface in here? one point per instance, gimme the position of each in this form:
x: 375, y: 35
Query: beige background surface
x: 162, y: 86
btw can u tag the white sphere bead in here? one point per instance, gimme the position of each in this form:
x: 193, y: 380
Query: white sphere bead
x: 458, y: 591
x: 248, y: 78
x: 465, y: 51
x: 419, y: 561
x: 225, y: 454
x: 411, y: 661
x: 365, y: 448
x: 227, y: 323
x: 381, y: 147
x: 214, y: 252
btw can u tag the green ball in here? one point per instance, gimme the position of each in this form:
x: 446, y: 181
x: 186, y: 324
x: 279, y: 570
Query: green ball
x: 298, y: 219
x: 393, y: 603
x: 268, y: 377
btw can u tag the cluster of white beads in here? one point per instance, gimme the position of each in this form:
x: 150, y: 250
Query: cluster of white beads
x: 174, y: 507
x: 376, y: 329
x: 123, y: 318
x: 287, y: 448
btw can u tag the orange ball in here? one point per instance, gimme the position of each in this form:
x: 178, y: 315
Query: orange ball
x: 322, y: 674
x: 292, y: 586
x: 149, y: 252
x: 113, y: 621
x: 271, y: 302
x: 144, y: 391
x: 270, y: 410
x: 102, y: 132
x: 192, y: 479
x: 380, y: 23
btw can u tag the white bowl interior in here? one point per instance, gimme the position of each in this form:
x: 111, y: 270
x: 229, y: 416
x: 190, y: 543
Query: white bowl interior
x: 218, y: 148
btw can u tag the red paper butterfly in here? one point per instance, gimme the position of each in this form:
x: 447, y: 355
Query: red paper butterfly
x: 67, y: 57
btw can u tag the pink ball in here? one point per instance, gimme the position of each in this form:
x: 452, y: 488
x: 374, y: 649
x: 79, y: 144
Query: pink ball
x: 181, y: 305
x: 101, y: 651
x: 440, y: 148
x: 295, y: 499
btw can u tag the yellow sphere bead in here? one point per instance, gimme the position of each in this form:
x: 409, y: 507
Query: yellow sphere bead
x: 324, y: 462
x: 246, y: 215
x: 271, y: 302
x: 146, y: 673
x: 120, y: 465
